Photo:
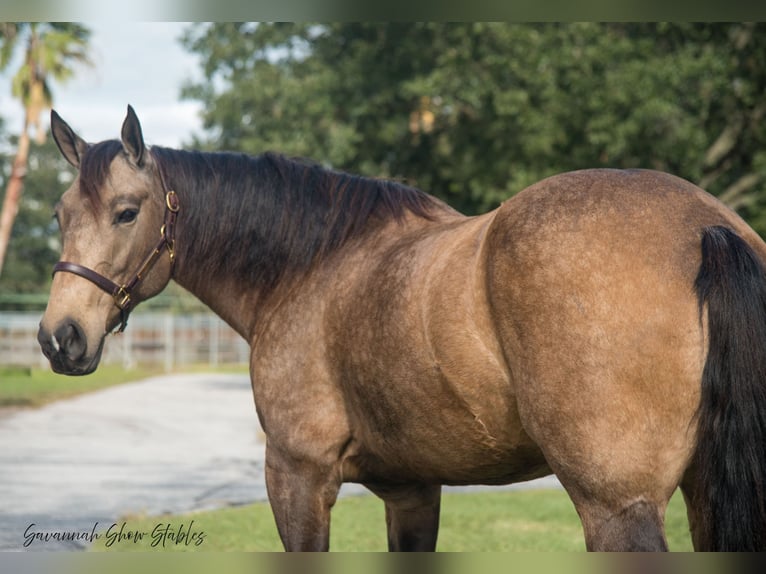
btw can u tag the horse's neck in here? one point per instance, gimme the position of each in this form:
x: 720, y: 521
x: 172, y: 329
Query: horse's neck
x: 243, y: 305
x: 231, y: 302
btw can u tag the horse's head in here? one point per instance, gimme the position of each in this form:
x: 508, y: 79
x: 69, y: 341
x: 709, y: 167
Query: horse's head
x: 111, y: 219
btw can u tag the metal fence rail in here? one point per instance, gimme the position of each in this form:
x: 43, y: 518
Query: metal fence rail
x: 151, y: 339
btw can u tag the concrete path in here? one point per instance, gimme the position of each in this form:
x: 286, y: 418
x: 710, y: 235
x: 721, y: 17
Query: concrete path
x: 164, y: 445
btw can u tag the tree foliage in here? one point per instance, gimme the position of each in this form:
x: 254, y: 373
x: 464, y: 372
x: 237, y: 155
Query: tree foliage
x: 475, y: 112
x: 35, y: 240
x: 50, y: 51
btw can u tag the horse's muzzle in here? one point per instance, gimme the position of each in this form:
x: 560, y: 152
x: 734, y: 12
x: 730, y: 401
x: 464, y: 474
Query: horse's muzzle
x: 67, y: 349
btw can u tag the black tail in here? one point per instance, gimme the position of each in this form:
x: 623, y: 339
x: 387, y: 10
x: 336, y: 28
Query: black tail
x: 730, y: 458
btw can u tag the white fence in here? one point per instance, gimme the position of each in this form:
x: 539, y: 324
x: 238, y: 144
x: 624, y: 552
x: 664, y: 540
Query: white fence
x: 150, y: 339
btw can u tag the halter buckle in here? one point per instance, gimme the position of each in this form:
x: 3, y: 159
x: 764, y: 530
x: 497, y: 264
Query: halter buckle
x: 171, y: 247
x: 122, y: 297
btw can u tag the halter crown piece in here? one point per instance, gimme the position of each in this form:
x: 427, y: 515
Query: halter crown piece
x: 122, y: 294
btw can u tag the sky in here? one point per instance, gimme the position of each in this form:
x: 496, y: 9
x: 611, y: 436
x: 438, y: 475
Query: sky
x: 137, y: 63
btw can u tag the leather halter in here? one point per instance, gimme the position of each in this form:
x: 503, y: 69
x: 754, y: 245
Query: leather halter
x: 122, y: 294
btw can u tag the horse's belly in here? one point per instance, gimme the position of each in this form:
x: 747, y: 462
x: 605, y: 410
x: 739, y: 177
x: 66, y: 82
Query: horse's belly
x: 478, y: 466
x: 448, y: 445
x: 437, y: 416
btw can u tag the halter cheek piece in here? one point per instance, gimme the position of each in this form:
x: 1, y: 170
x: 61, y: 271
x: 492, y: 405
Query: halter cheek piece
x: 122, y: 294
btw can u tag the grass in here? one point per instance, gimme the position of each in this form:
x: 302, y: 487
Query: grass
x: 41, y: 386
x: 37, y: 387
x: 497, y: 521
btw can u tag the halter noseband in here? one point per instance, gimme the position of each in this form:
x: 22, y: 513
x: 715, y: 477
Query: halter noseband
x: 122, y: 294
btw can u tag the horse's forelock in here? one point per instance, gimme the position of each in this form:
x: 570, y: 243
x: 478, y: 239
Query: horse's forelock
x: 94, y: 169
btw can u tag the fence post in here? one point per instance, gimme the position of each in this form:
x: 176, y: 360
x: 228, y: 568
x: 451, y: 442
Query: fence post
x: 169, y: 342
x: 214, y: 340
x: 127, y: 349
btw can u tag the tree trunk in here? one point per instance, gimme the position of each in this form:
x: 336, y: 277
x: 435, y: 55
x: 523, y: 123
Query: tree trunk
x: 13, y: 193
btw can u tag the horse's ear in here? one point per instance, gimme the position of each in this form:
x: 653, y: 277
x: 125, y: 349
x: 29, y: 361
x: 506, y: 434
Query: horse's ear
x: 133, y: 138
x: 72, y: 146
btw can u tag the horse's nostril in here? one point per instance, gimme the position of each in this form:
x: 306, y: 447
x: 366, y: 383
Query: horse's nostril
x: 46, y: 342
x: 69, y: 340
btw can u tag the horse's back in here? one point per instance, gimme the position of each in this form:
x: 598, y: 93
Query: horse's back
x: 592, y: 286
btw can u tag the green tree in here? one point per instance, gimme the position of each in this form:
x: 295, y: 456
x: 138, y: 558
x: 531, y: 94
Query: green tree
x: 476, y: 112
x: 35, y: 236
x: 51, y: 51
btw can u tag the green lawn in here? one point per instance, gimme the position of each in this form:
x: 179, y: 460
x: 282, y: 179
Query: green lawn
x: 19, y: 388
x: 40, y: 386
x: 510, y: 521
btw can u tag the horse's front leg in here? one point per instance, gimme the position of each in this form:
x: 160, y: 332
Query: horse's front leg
x: 412, y: 515
x: 301, y: 494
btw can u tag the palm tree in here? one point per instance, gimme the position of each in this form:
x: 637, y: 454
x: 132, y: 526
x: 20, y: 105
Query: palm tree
x: 52, y: 49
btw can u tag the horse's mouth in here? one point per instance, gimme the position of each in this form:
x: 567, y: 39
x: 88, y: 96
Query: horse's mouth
x: 64, y: 367
x: 62, y: 363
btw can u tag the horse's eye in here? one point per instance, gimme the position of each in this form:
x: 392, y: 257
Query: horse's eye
x: 126, y: 216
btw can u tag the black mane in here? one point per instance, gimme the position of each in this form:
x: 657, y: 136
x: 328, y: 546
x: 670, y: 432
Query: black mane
x: 263, y: 217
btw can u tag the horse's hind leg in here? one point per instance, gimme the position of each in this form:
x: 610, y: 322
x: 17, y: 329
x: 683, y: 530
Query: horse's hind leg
x: 620, y: 494
x: 637, y: 527
x: 412, y: 515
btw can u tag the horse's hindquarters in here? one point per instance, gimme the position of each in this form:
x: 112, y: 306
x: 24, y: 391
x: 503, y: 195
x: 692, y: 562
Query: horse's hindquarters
x: 592, y: 286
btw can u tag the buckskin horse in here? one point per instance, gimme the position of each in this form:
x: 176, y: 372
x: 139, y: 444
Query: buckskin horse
x: 607, y: 326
